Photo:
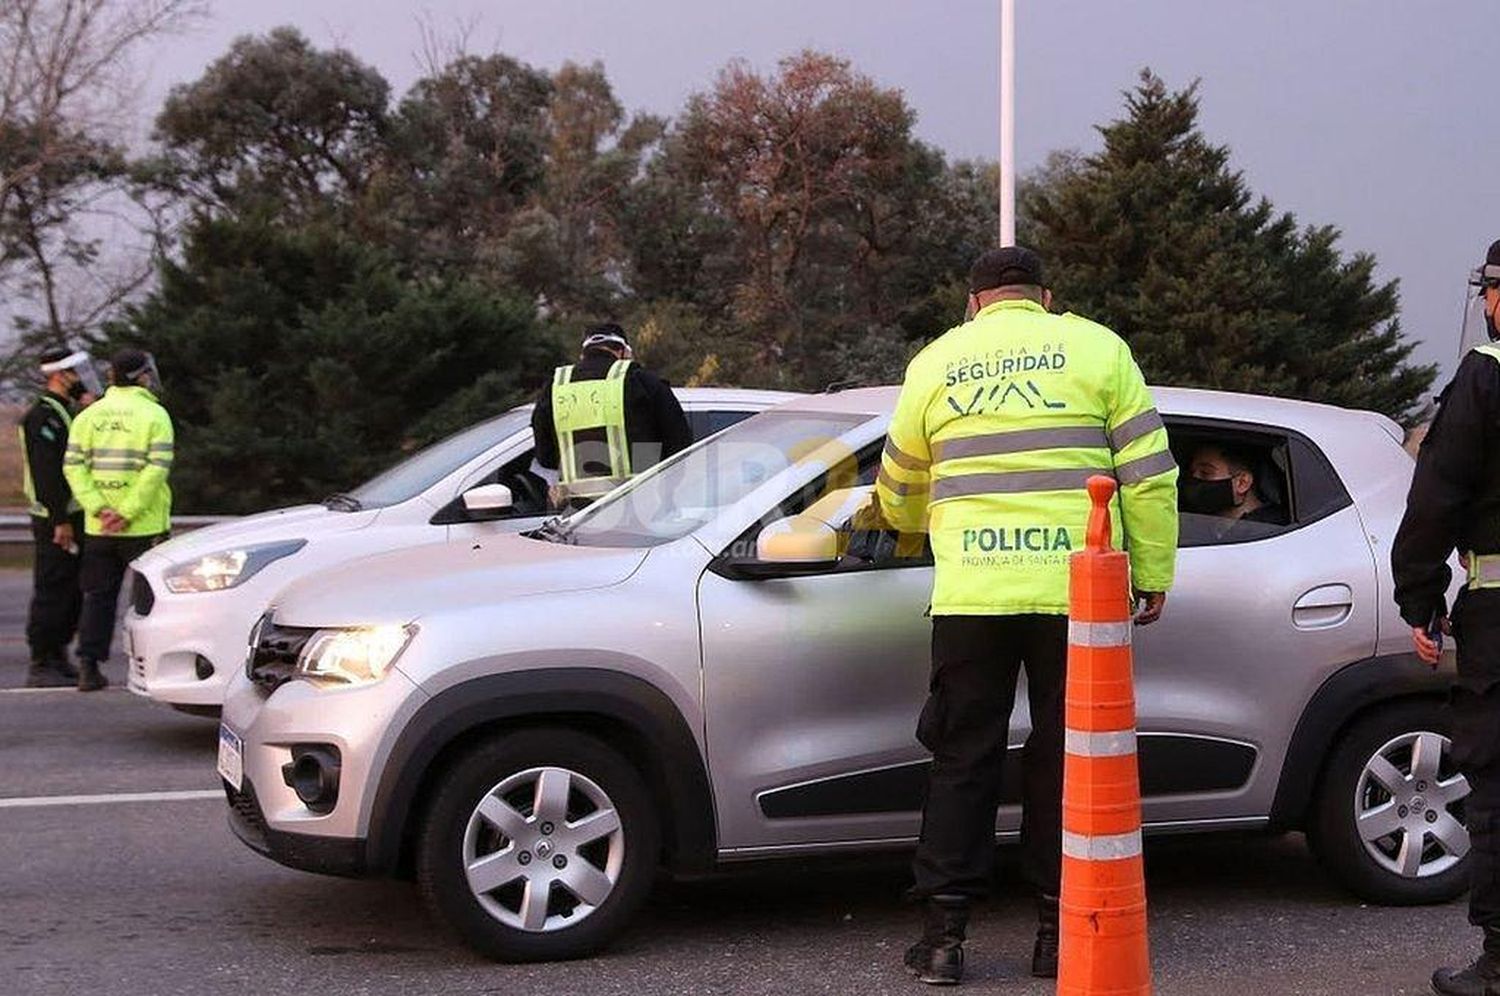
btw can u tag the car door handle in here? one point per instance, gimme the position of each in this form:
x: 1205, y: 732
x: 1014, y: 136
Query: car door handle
x: 1324, y: 607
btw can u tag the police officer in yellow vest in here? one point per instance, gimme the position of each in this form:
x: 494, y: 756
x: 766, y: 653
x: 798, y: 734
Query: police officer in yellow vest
x: 56, y: 519
x: 999, y: 424
x: 119, y: 456
x: 605, y: 418
x: 1454, y: 504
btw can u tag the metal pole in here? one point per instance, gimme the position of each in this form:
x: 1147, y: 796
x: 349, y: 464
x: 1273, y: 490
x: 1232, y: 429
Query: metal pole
x: 1007, y: 122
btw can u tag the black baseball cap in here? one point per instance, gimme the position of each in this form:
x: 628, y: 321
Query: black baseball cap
x: 1008, y: 267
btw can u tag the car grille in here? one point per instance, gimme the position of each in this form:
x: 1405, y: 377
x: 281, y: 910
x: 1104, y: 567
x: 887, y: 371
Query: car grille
x: 273, y: 659
x: 142, y: 598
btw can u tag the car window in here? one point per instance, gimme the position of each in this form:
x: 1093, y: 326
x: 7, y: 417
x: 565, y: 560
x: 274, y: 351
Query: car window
x: 690, y: 489
x: 705, y: 423
x: 1241, y: 482
x: 862, y: 548
x: 426, y: 467
x: 531, y: 484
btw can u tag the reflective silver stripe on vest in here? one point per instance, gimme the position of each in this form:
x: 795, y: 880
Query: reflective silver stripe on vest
x: 1014, y: 482
x: 119, y: 454
x: 1099, y: 634
x: 1136, y: 471
x: 118, y: 464
x: 903, y: 459
x: 887, y: 481
x: 1020, y: 441
x: 1107, y: 847
x: 1134, y: 428
x: 1083, y: 744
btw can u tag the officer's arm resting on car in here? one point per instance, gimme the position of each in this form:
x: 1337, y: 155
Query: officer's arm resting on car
x: 905, y: 479
x: 1148, y: 484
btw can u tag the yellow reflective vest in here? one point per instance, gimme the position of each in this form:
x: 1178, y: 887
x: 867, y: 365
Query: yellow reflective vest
x: 119, y: 455
x: 579, y: 405
x: 999, y: 424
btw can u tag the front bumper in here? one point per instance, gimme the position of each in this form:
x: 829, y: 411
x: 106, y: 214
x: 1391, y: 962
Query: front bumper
x: 359, y: 722
x: 305, y: 852
x: 185, y: 648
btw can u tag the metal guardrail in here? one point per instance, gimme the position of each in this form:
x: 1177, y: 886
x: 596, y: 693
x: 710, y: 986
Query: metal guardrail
x: 15, y: 527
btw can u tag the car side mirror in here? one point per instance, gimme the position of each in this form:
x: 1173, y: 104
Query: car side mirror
x: 793, y: 546
x: 488, y: 501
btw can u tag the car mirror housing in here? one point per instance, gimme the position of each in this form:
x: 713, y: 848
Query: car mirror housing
x: 488, y: 501
x: 790, y: 547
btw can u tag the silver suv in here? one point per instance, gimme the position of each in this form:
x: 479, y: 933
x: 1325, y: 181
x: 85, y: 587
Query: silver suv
x: 709, y: 665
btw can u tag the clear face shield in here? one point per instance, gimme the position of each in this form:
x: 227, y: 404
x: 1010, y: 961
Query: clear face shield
x: 1476, y: 331
x: 146, y: 375
x: 80, y: 364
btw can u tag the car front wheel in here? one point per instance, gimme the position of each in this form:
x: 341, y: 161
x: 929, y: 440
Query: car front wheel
x: 1389, y: 822
x: 539, y: 845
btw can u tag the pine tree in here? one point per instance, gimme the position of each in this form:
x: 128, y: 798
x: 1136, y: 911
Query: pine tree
x: 1159, y: 238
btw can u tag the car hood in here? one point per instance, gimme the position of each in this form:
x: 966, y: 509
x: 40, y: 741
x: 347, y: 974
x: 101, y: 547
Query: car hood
x: 406, y: 585
x: 297, y: 522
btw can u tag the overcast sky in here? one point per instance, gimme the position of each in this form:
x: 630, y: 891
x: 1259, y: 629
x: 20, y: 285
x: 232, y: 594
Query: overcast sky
x: 1364, y: 114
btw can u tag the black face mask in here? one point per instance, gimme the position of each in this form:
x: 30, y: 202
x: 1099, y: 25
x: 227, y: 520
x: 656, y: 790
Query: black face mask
x: 1489, y: 324
x: 76, y: 390
x: 1205, y: 497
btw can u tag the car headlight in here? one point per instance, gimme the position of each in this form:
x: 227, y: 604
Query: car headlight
x: 227, y: 568
x: 356, y: 656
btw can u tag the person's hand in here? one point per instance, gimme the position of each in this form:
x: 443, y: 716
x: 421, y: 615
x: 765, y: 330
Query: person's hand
x: 1427, y: 648
x: 63, y: 535
x: 1150, y: 605
x: 111, y: 521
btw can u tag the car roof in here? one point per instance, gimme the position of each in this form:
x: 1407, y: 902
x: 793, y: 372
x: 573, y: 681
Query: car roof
x: 734, y: 397
x: 1234, y: 406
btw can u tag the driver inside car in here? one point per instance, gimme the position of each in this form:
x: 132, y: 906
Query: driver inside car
x: 1221, y: 482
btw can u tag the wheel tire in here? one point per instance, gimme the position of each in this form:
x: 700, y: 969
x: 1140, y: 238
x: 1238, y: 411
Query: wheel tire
x: 446, y: 833
x: 1334, y: 831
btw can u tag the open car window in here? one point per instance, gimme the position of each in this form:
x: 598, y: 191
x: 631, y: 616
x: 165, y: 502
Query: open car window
x: 835, y: 499
x: 1292, y: 484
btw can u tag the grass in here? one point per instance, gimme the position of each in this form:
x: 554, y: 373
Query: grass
x: 10, y: 458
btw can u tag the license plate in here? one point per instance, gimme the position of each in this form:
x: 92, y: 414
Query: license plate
x: 231, y: 757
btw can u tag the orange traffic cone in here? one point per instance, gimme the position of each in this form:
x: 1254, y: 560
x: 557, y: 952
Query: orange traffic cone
x: 1103, y: 944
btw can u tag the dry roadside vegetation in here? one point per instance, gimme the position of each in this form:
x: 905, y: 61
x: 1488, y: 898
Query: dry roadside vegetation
x: 10, y: 457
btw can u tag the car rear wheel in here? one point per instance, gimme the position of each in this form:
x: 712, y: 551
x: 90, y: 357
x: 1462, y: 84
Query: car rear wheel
x: 1389, y: 822
x: 538, y: 845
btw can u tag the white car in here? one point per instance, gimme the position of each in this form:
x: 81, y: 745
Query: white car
x: 194, y: 599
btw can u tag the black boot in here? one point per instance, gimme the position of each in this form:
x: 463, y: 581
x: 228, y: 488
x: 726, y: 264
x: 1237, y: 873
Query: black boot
x: 1044, y: 954
x: 89, y: 677
x: 46, y: 674
x: 61, y: 662
x: 1479, y: 979
x: 938, y: 958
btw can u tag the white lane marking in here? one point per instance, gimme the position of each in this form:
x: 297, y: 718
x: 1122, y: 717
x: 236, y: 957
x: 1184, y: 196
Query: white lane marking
x: 58, y: 688
x: 36, y: 801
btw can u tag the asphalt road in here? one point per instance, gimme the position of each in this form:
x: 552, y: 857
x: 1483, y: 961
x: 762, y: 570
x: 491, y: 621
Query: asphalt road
x: 157, y: 897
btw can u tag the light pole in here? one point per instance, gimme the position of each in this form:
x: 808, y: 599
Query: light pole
x: 1007, y: 122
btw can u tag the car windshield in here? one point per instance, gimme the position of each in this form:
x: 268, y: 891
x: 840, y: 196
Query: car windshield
x: 683, y: 493
x: 426, y: 467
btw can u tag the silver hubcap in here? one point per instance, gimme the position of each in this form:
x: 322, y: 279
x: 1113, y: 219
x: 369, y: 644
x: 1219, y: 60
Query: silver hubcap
x: 543, y: 849
x: 1403, y: 806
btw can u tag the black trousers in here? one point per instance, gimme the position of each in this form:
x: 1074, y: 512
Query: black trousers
x: 965, y: 723
x: 55, y: 596
x: 105, y: 559
x: 1475, y: 704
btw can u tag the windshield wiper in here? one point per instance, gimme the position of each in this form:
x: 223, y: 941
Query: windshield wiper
x: 343, y: 503
x: 553, y: 531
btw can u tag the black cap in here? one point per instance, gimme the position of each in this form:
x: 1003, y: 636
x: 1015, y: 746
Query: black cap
x: 1007, y: 267
x: 1492, y: 258
x: 54, y: 355
x: 128, y: 364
